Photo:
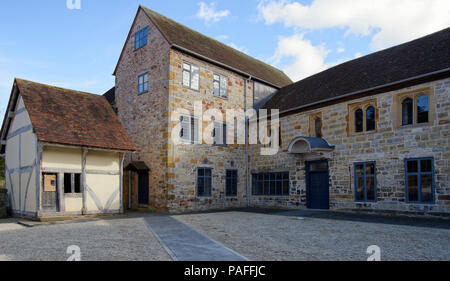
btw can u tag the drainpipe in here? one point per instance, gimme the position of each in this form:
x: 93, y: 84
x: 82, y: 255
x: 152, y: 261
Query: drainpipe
x: 247, y: 184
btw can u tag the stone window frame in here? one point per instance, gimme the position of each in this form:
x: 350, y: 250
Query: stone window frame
x: 140, y: 38
x: 256, y: 180
x: 363, y: 105
x: 312, y: 124
x: 144, y: 83
x: 211, y: 181
x: 220, y: 85
x: 365, y: 176
x: 232, y: 186
x: 414, y: 95
x: 224, y: 129
x: 192, y: 121
x: 191, y: 73
x: 419, y: 174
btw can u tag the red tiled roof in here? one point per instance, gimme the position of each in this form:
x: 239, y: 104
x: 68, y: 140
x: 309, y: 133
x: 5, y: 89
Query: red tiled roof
x: 70, y: 117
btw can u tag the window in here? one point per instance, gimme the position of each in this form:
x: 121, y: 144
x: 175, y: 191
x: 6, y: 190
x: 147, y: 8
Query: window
x: 365, y: 182
x: 370, y: 118
x: 220, y: 85
x: 72, y: 183
x: 140, y: 38
x: 220, y: 133
x: 189, y: 129
x: 359, y: 121
x: 271, y: 184
x: 204, y: 182
x: 191, y: 76
x: 422, y: 109
x: 415, y: 108
x: 318, y: 127
x: 231, y: 183
x: 143, y: 83
x: 407, y: 112
x: 420, y: 180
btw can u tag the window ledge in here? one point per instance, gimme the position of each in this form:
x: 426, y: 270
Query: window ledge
x: 73, y: 195
x: 413, y: 126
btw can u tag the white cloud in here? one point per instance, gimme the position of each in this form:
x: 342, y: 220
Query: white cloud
x: 209, y: 14
x: 306, y: 59
x: 340, y: 50
x: 391, y: 21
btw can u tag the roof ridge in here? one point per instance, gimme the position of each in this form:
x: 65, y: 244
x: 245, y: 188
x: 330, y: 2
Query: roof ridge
x: 371, y: 54
x: 56, y: 87
x: 201, y: 34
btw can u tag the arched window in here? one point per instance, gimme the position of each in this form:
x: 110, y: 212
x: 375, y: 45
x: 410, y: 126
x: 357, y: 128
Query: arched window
x: 370, y: 119
x: 422, y: 109
x: 407, y: 112
x: 318, y: 127
x: 359, y: 121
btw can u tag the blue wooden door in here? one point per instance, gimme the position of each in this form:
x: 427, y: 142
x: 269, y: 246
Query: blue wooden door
x: 143, y: 188
x: 318, y: 185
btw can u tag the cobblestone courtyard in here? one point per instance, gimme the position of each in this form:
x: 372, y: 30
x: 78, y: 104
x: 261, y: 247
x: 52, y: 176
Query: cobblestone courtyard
x: 260, y: 236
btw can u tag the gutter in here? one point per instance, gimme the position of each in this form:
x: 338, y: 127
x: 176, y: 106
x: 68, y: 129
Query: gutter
x: 175, y: 46
x: 366, y: 90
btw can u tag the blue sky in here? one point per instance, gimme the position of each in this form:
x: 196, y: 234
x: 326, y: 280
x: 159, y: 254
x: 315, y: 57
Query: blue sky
x: 44, y: 41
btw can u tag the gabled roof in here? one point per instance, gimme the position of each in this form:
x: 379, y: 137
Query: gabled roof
x: 421, y: 57
x: 68, y: 117
x: 190, y: 40
x: 110, y: 95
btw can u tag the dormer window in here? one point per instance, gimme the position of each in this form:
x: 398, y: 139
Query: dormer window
x: 140, y: 38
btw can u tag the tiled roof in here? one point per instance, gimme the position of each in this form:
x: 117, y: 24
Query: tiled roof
x: 198, y: 43
x: 68, y: 117
x: 419, y: 57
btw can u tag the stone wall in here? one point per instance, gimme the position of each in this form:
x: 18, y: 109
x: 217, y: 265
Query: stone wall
x: 145, y: 116
x: 389, y: 145
x: 183, y: 160
x: 3, y: 202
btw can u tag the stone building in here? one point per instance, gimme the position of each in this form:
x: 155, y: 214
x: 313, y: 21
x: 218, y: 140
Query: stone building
x: 64, y: 153
x: 369, y: 134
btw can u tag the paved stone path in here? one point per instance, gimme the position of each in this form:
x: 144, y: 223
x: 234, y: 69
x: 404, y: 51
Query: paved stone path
x: 186, y: 244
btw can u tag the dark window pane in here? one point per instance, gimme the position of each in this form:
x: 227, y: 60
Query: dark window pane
x: 207, y: 186
x: 77, y: 183
x: 426, y: 166
x: 359, y: 170
x: 425, y: 187
x: 360, y: 189
x: 413, y: 166
x: 370, y: 169
x: 407, y: 112
x: 286, y: 187
x: 260, y: 188
x: 279, y: 190
x: 67, y: 183
x: 201, y: 172
x: 370, y: 188
x: 358, y: 120
x: 201, y: 186
x: 422, y: 109
x: 370, y: 119
x: 208, y: 172
x: 273, y: 190
x: 413, y: 189
x: 318, y: 127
